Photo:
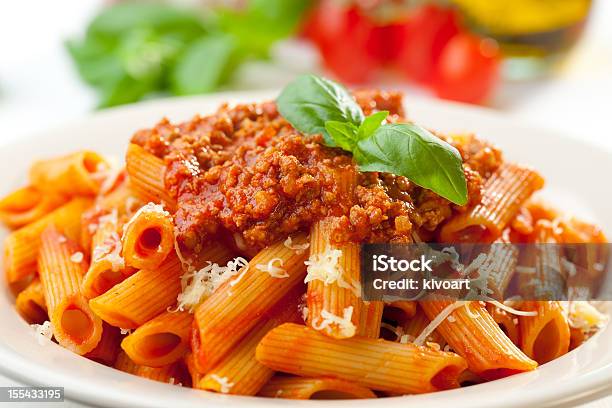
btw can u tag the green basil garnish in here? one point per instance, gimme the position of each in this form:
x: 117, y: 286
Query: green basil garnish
x: 315, y: 105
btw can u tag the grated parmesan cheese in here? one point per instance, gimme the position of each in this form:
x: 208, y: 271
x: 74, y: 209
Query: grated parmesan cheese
x: 525, y: 269
x: 198, y: 285
x: 274, y: 271
x: 304, y: 313
x: 225, y: 385
x: 172, y: 381
x: 446, y: 312
x: 110, y: 250
x: 62, y: 239
x: 77, y: 257
x: 125, y: 331
x: 326, y: 267
x: 344, y: 323
x: 43, y: 332
x: 298, y: 248
x: 398, y: 331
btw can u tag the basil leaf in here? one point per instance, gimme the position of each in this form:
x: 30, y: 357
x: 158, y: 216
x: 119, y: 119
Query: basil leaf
x: 370, y: 124
x: 203, y: 66
x: 343, y: 133
x: 310, y: 101
x: 411, y: 151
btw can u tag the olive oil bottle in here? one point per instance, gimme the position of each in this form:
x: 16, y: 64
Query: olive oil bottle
x: 533, y: 34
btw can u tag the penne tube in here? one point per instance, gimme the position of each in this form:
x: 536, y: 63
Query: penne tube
x: 239, y: 304
x: 500, y: 264
x: 171, y: 374
x: 372, y: 363
x: 546, y: 335
x: 549, y: 280
x: 334, y: 289
x: 503, y: 195
x: 26, y: 205
x: 21, y: 246
x: 147, y: 173
x: 470, y: 327
x: 107, y: 267
x: 313, y: 388
x: 160, y: 341
x: 61, y: 265
x: 415, y: 326
x: 508, y: 323
x: 148, y: 237
x: 121, y: 199
x: 108, y: 348
x: 30, y: 303
x: 370, y: 319
x: 125, y: 364
x: 328, y: 300
x: 239, y: 367
x: 74, y: 174
x: 190, y: 363
x: 140, y: 297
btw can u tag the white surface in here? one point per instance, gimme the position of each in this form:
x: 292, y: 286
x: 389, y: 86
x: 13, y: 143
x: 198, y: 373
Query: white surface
x: 39, y: 88
x: 582, y: 375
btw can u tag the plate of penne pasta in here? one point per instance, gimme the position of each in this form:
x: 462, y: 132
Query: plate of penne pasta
x: 206, y: 250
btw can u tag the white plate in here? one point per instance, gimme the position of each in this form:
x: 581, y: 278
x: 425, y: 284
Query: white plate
x: 576, y: 174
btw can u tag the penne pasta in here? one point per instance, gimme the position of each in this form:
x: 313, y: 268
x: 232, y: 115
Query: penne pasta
x: 415, y: 326
x: 239, y: 367
x: 190, y: 363
x: 135, y: 268
x: 140, y: 297
x: 61, y: 265
x: 146, y: 174
x: 546, y: 335
x: 370, y: 319
x: 21, y: 246
x: 503, y: 194
x: 328, y: 301
x: 333, y: 275
x: 470, y: 327
x: 148, y: 237
x: 371, y: 363
x: 72, y: 175
x: 107, y: 267
x: 174, y: 374
x: 26, y: 205
x: 160, y: 341
x: 313, y: 388
x: 108, y: 348
x: 508, y: 323
x: 500, y: 264
x: 30, y: 303
x: 224, y: 318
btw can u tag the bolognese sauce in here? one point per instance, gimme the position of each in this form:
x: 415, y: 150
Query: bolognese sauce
x: 245, y: 173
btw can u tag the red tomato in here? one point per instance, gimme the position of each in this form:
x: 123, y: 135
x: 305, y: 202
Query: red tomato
x: 344, y: 37
x: 426, y: 32
x: 468, y: 69
x: 386, y: 42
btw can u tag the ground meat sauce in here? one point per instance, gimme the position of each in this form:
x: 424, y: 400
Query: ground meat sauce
x: 245, y: 173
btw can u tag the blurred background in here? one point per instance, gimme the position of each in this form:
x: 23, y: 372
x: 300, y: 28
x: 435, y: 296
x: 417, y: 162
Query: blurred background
x: 548, y: 62
x: 543, y: 61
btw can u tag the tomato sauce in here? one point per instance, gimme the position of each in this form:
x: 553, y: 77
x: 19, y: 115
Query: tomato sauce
x: 245, y: 175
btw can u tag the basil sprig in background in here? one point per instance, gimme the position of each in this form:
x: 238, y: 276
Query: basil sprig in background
x: 317, y: 105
